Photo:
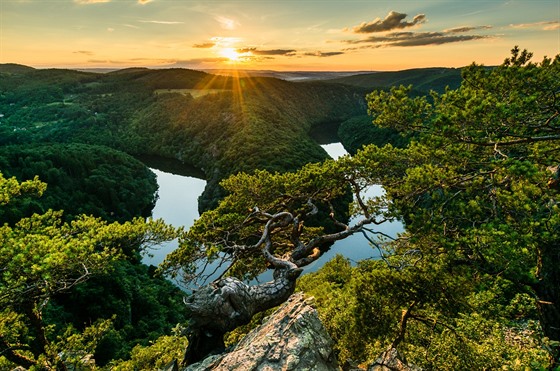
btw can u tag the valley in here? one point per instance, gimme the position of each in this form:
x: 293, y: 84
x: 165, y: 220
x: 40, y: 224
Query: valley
x: 177, y: 205
x: 436, y: 236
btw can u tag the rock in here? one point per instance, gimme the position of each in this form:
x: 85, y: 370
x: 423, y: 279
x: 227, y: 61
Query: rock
x: 292, y: 338
x: 228, y: 303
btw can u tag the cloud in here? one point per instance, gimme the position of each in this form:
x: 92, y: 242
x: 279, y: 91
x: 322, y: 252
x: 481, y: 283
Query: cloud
x: 91, y: 1
x: 545, y: 25
x: 396, y: 21
x: 162, y: 22
x: 255, y: 51
x: 225, y: 41
x: 159, y: 62
x: 84, y: 52
x: 466, y: 29
x: 552, y: 27
x: 227, y: 23
x: 207, y: 45
x: 107, y: 61
x: 322, y: 55
x: 393, y: 21
x: 142, y: 2
x: 197, y: 61
x: 415, y: 39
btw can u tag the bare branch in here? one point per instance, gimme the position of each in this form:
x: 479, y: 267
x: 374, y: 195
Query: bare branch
x: 523, y: 140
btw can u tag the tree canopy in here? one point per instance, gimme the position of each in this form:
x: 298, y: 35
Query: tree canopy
x: 41, y: 257
x: 479, y: 183
x: 82, y: 179
x: 472, y: 283
x: 222, y: 125
x: 477, y: 192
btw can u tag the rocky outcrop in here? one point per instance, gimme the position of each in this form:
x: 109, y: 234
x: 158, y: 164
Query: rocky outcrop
x: 228, y: 303
x: 292, y: 338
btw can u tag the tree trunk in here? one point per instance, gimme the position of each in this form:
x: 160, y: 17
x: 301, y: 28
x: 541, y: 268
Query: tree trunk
x: 227, y: 304
x: 11, y: 355
x: 40, y: 344
x: 548, y: 293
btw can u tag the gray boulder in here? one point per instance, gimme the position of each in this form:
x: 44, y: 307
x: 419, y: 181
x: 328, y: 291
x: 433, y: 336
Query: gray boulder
x: 292, y: 338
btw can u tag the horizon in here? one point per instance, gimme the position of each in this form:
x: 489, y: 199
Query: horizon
x: 289, y: 36
x: 229, y: 70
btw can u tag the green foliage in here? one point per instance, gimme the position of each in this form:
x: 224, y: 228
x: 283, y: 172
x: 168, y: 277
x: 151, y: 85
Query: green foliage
x: 406, y: 114
x: 75, y: 347
x: 82, y: 179
x: 142, y: 308
x: 217, y: 232
x: 358, y: 132
x: 423, y: 79
x: 457, y: 290
x: 252, y: 123
x: 163, y: 351
x: 473, y: 189
x: 362, y: 309
x: 43, y: 257
x: 11, y: 188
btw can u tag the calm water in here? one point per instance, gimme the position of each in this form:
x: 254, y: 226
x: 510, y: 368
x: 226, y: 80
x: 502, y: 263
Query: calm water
x: 178, y: 205
x: 355, y: 247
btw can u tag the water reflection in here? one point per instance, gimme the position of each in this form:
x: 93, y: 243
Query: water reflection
x: 355, y: 247
x: 177, y: 205
x: 335, y: 150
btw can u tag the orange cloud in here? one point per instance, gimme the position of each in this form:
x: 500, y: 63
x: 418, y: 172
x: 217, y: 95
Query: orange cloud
x: 545, y: 25
x: 393, y: 21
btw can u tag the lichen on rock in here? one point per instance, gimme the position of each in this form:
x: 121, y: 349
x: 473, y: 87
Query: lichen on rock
x: 292, y: 338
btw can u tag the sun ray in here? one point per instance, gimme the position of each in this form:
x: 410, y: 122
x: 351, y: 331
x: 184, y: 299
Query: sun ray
x: 231, y: 54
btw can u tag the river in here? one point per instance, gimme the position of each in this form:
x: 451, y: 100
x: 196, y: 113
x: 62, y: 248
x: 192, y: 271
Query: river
x: 178, y: 205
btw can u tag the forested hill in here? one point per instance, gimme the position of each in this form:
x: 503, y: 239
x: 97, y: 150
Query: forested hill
x: 423, y: 79
x: 7, y: 68
x: 219, y: 124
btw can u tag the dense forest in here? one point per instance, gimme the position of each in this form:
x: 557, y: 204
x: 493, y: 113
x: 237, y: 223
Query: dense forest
x: 221, y: 125
x: 75, y: 131
x: 472, y: 172
x: 82, y: 179
x: 422, y: 79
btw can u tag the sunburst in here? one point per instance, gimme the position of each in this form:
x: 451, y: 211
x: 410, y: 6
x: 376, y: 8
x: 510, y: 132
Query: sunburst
x: 231, y: 54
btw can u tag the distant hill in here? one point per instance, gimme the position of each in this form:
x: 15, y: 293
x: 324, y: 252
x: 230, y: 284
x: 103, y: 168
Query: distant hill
x: 220, y: 124
x: 423, y: 79
x: 14, y: 68
x: 179, y: 78
x: 286, y: 75
x: 117, y: 71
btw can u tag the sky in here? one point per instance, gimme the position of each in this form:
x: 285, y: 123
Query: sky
x: 282, y: 35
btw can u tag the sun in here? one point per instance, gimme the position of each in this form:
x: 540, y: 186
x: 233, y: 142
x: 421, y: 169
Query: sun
x: 231, y: 54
